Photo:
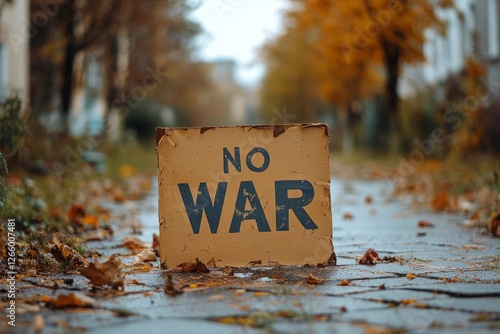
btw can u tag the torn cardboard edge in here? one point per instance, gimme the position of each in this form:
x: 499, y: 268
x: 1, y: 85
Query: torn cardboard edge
x: 191, y: 148
x: 278, y: 129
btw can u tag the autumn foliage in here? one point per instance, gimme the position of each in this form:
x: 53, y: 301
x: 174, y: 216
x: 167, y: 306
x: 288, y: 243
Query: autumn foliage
x: 337, y: 53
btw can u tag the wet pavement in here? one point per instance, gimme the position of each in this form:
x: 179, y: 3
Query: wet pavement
x: 444, y: 279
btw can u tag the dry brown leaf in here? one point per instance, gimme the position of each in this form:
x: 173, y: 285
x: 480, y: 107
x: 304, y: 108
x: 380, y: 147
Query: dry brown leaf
x: 215, y: 298
x: 425, y: 223
x: 38, y: 324
x: 90, y: 222
x: 348, y: 216
x: 172, y: 287
x: 494, y: 225
x: 440, y: 201
x: 211, y: 263
x: 76, y: 214
x: 408, y: 301
x: 370, y: 257
x: 147, y: 255
x: 229, y: 271
x: 74, y: 299
x: 156, y: 244
x: 451, y: 280
x: 311, y: 279
x: 239, y: 292
x: 472, y: 246
x: 368, y: 199
x: 193, y: 267
x: 134, y: 244
x: 107, y: 273
x: 67, y: 255
x: 261, y: 293
x: 345, y: 282
x: 411, y: 276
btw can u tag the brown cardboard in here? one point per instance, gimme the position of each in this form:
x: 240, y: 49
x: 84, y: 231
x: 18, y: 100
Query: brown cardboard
x: 286, y: 165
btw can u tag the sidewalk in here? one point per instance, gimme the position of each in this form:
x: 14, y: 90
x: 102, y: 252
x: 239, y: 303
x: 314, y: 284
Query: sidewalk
x: 437, y: 279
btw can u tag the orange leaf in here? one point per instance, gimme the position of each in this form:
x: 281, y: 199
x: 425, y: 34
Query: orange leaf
x: 348, y: 216
x: 75, y: 299
x: 134, y: 244
x: 91, y: 221
x: 172, y: 287
x: 370, y: 257
x: 67, y: 255
x: 424, y: 223
x: 440, y: 201
x: 196, y: 267
x: 411, y: 276
x: 107, y: 273
x: 311, y: 279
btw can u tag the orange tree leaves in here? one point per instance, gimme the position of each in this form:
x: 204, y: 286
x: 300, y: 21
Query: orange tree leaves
x: 339, y: 51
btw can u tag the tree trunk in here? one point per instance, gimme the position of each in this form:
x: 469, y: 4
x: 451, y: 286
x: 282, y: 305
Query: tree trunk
x: 67, y: 13
x: 391, y: 61
x: 67, y: 85
x: 347, y: 136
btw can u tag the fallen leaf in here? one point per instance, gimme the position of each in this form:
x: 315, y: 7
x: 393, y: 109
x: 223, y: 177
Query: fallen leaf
x: 381, y: 286
x: 76, y: 214
x: 216, y: 298
x: 368, y: 199
x: 348, y: 216
x: 408, y: 301
x: 107, y: 273
x: 440, y: 201
x: 74, y: 299
x: 425, y: 223
x: 472, y: 246
x: 134, y: 244
x: 261, y: 293
x: 91, y: 222
x: 147, y: 255
x: 127, y: 171
x: 229, y: 271
x: 38, y: 324
x: 451, y: 280
x: 156, y: 244
x: 410, y: 276
x: 370, y: 257
x: 66, y: 255
x: 195, y: 267
x: 345, y: 282
x: 311, y: 279
x: 239, y: 292
x: 211, y: 263
x: 172, y: 287
x: 494, y: 225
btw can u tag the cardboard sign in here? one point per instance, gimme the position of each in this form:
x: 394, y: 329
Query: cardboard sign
x: 242, y: 194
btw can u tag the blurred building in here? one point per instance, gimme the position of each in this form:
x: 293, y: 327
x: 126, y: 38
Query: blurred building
x: 472, y: 30
x: 239, y: 102
x: 88, y: 104
x: 14, y: 48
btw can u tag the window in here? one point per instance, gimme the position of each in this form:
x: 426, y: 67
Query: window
x: 3, y: 73
x: 493, y: 36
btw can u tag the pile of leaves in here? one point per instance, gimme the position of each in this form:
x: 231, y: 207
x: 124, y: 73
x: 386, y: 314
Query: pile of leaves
x: 457, y: 187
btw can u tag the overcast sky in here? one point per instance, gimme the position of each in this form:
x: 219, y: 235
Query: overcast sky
x: 235, y: 29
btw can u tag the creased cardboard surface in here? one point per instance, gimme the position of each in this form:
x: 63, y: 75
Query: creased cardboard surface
x: 266, y: 190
